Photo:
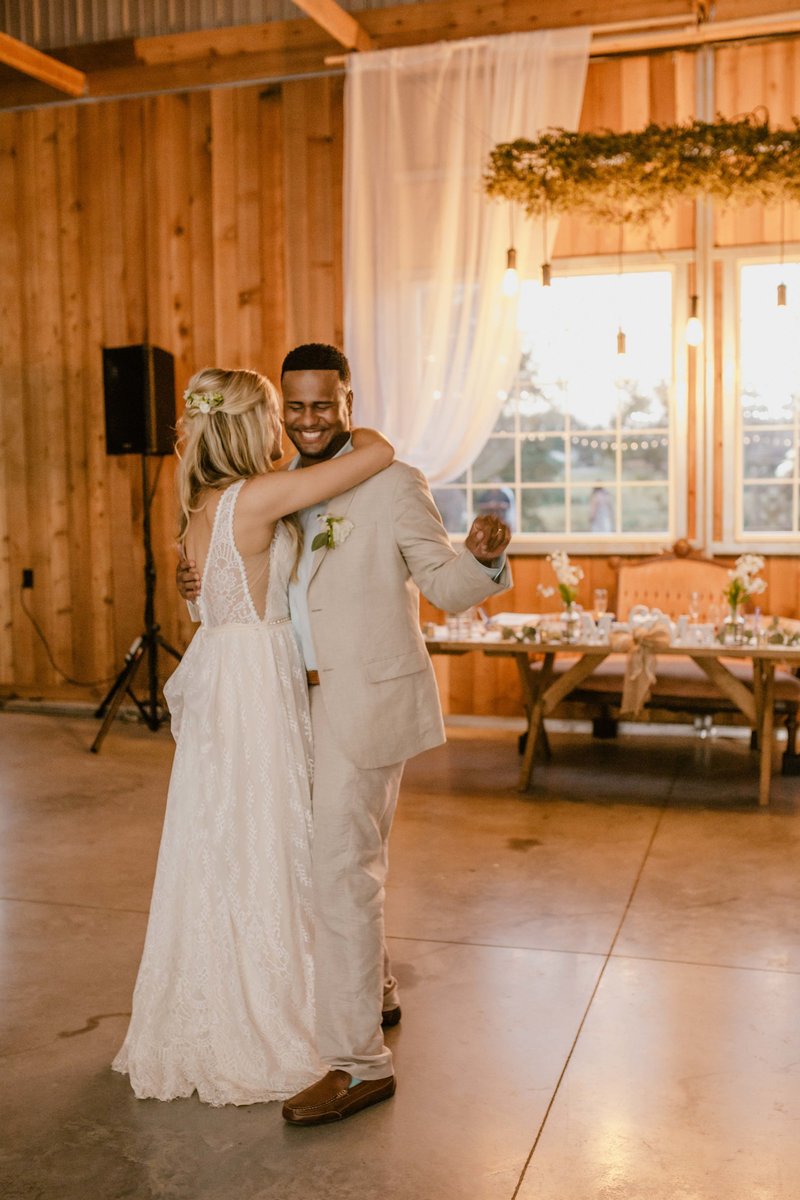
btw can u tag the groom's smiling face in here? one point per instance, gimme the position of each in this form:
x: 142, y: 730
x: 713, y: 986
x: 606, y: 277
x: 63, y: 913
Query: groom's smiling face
x: 317, y: 408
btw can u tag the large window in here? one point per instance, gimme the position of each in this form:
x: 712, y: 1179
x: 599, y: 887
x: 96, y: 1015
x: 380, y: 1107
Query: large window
x: 583, y: 445
x: 768, y: 408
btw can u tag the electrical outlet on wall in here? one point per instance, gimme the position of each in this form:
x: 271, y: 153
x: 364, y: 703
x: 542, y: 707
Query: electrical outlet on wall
x: 27, y: 577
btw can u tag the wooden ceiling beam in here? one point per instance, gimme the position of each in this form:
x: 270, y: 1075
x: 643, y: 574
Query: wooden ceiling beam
x: 338, y: 23
x: 40, y: 66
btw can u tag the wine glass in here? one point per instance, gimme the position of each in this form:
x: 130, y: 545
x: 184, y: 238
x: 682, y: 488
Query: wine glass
x: 694, y: 607
x: 600, y: 602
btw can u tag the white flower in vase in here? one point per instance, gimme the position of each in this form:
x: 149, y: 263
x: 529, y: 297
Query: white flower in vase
x: 568, y: 576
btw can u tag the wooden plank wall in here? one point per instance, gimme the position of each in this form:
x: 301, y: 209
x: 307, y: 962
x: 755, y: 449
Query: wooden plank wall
x: 629, y: 93
x: 762, y: 79
x: 208, y: 223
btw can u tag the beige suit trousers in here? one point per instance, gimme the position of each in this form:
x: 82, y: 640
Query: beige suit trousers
x: 353, y: 812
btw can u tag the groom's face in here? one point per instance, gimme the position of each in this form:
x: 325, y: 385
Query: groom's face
x: 316, y: 411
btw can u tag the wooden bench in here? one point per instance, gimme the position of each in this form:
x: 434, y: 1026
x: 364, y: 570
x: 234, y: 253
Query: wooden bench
x: 682, y: 689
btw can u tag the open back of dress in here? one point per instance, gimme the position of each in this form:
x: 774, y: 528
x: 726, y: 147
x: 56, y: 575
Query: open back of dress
x: 224, y: 998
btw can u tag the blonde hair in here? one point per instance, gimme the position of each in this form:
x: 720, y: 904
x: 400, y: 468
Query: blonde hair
x: 228, y: 431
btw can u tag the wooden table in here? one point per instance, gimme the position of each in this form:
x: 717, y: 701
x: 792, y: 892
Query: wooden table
x: 543, y: 689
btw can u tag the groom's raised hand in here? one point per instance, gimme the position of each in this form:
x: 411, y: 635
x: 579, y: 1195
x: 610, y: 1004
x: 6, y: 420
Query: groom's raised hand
x: 487, y: 539
x: 187, y: 579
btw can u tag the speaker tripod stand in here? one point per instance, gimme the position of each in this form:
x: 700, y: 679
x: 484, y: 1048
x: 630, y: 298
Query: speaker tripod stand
x: 144, y: 648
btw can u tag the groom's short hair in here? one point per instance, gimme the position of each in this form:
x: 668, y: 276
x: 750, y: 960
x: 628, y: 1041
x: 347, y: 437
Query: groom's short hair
x: 317, y: 356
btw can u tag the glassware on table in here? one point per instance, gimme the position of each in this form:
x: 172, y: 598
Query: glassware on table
x: 694, y: 607
x: 604, y: 624
x: 459, y: 625
x: 600, y: 602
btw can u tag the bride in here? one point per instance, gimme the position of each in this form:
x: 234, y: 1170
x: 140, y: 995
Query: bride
x: 223, y: 1003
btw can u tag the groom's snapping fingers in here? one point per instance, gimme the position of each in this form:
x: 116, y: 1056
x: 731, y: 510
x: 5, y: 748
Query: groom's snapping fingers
x: 187, y: 579
x: 487, y: 539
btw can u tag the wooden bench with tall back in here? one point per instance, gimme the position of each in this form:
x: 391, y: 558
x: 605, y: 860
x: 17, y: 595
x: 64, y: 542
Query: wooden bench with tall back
x: 682, y: 689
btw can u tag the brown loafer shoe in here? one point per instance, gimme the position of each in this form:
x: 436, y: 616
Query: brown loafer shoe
x: 391, y: 1017
x: 332, y: 1099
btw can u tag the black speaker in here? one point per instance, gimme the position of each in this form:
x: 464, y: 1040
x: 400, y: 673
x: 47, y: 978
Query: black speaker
x: 139, y: 389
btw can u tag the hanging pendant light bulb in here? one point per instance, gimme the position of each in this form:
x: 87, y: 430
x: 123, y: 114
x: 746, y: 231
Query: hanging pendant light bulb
x: 782, y: 286
x: 510, y: 283
x: 545, y: 265
x: 694, y: 326
x: 621, y: 339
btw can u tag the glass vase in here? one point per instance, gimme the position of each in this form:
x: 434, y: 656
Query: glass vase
x: 733, y: 627
x: 570, y: 622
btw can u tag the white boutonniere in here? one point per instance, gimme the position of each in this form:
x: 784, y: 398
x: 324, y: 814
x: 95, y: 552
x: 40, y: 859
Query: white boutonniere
x: 336, y: 531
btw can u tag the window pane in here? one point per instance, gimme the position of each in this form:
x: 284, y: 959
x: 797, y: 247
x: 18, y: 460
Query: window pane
x: 541, y: 408
x: 506, y: 422
x: 642, y: 409
x: 769, y: 455
x: 543, y: 510
x: 593, y: 510
x: 769, y: 364
x: 575, y: 375
x: 767, y: 508
x: 497, y: 502
x: 645, y: 458
x: 772, y: 409
x: 570, y: 330
x: 581, y: 425
x: 543, y: 459
x: 594, y: 458
x: 645, y: 509
x: 495, y: 463
x: 452, y: 504
x: 769, y: 394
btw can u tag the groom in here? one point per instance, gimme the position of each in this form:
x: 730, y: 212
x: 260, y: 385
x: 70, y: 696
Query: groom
x: 374, y: 703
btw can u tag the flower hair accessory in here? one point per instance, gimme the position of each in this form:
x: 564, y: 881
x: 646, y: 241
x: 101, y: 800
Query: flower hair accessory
x: 336, y: 531
x: 204, y: 402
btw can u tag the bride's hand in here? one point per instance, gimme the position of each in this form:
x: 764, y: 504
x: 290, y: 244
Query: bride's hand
x: 363, y: 437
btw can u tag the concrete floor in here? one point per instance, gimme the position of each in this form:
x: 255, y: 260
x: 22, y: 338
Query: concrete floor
x: 601, y: 983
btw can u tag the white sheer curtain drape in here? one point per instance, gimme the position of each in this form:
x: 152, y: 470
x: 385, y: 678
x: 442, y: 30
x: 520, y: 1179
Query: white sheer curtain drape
x: 432, y: 342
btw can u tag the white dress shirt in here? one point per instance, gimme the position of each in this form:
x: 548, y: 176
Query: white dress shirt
x: 298, y: 587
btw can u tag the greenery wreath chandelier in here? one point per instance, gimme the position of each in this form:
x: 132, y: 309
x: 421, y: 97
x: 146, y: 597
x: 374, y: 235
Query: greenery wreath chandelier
x: 634, y: 177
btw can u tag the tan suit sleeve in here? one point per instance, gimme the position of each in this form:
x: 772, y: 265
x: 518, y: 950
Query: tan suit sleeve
x: 451, y: 580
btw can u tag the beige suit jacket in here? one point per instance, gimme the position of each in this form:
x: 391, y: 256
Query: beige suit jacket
x: 376, y: 676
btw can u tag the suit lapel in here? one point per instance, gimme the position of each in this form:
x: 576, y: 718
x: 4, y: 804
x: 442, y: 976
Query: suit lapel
x: 337, y: 508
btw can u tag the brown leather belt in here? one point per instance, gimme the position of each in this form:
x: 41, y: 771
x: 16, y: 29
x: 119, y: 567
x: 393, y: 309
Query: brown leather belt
x: 312, y: 678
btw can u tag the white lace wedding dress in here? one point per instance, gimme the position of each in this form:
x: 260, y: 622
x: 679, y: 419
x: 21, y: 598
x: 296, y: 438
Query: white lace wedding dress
x: 224, y: 997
